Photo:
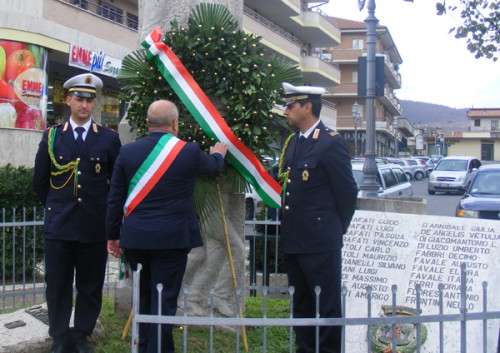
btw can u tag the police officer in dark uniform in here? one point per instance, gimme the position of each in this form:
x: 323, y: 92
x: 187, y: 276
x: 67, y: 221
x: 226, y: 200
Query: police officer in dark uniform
x: 73, y: 167
x: 319, y: 199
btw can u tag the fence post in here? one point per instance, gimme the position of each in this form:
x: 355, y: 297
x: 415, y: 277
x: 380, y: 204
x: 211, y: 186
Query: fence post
x: 135, y: 308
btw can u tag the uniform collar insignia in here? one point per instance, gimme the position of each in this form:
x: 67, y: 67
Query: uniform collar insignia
x: 65, y: 128
x: 316, y: 134
x: 94, y: 127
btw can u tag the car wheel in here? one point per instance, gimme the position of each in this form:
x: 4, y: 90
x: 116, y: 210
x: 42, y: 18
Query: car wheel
x: 419, y: 176
x: 409, y: 176
x: 249, y: 209
x: 431, y: 192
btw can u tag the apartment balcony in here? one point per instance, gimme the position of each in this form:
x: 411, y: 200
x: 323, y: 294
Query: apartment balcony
x: 329, y: 114
x: 118, y: 21
x: 391, y: 74
x: 405, y: 127
x: 349, y: 89
x: 279, y: 11
x: 277, y: 40
x: 390, y: 101
x: 315, y: 28
x: 347, y: 56
x: 319, y: 72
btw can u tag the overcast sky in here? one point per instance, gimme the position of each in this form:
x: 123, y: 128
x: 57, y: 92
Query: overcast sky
x: 437, y: 67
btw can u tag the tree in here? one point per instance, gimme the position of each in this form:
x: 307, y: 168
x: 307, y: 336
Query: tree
x: 481, y: 25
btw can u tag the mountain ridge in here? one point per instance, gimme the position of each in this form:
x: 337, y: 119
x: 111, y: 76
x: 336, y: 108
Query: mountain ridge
x: 435, y: 115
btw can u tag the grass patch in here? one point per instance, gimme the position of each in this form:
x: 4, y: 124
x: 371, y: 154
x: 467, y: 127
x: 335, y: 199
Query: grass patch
x: 198, y: 338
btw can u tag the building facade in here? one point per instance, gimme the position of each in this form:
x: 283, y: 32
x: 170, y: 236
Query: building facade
x: 387, y: 106
x: 296, y: 30
x: 482, y: 140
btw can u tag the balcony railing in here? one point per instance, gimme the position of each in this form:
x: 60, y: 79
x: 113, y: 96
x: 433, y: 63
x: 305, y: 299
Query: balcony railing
x: 324, y: 15
x: 270, y: 25
x: 327, y: 59
x: 106, y: 11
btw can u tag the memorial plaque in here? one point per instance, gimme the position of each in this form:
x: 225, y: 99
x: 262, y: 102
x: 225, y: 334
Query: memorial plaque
x: 385, y: 249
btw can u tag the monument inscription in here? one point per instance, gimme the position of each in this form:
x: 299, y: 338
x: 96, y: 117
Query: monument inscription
x: 385, y: 249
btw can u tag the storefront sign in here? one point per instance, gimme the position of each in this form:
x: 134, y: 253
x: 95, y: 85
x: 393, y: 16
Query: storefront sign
x: 94, y: 61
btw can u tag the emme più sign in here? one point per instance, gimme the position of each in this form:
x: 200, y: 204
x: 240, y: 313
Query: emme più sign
x: 93, y: 61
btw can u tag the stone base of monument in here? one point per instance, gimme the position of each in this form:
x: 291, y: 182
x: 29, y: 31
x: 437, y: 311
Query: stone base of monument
x: 26, y: 331
x: 407, y: 204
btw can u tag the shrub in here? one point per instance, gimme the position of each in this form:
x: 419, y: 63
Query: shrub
x: 21, y: 248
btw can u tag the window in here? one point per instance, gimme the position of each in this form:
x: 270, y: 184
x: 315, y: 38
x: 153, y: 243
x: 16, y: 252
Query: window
x: 477, y: 122
x: 132, y: 21
x: 354, y: 77
x: 389, y: 178
x: 494, y: 125
x: 357, y: 44
x: 112, y: 13
x: 400, y: 175
x: 84, y: 4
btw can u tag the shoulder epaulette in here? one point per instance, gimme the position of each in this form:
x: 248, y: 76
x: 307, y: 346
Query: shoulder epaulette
x: 333, y: 133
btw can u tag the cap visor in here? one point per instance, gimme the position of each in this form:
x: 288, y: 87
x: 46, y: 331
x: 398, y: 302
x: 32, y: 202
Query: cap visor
x: 84, y: 94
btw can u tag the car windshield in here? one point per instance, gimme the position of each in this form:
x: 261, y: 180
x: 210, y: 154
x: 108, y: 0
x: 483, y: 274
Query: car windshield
x: 453, y: 165
x: 486, y: 183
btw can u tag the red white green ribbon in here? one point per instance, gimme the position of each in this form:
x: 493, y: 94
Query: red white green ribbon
x: 151, y: 170
x: 209, y: 118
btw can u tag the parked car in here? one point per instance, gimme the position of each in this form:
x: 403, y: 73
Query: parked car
x: 391, y: 178
x: 436, y: 158
x: 408, y: 169
x: 429, y: 163
x: 453, y: 174
x: 253, y: 202
x: 418, y: 168
x: 482, y: 198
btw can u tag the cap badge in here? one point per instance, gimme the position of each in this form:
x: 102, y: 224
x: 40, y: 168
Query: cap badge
x: 88, y: 80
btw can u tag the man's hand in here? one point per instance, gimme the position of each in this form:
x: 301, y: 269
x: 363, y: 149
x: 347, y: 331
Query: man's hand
x: 219, y: 147
x: 114, y: 248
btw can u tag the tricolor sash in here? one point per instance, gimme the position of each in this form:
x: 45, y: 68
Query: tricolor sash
x: 209, y: 119
x: 151, y: 170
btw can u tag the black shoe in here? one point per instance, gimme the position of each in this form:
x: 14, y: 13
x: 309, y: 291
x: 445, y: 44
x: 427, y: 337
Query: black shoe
x: 61, y: 348
x: 82, y: 347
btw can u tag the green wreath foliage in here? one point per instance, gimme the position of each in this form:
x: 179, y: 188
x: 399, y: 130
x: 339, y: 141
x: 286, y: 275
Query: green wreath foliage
x: 230, y: 67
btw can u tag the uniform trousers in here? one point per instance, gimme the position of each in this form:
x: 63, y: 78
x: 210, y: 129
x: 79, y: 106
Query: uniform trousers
x: 86, y: 263
x: 158, y: 266
x: 305, y: 272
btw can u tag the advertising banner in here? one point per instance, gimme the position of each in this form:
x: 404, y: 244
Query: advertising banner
x: 23, y: 85
x: 93, y: 61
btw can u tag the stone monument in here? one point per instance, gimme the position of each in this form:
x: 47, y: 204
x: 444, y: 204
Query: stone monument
x: 382, y: 249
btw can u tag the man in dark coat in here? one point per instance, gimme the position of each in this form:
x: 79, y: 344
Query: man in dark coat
x: 319, y: 199
x: 73, y: 167
x: 152, y: 191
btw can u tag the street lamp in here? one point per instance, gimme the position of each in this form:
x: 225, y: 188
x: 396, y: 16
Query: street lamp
x: 369, y: 185
x: 355, y: 115
x: 395, y: 124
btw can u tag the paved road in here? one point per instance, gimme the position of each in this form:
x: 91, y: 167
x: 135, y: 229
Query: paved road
x: 440, y: 204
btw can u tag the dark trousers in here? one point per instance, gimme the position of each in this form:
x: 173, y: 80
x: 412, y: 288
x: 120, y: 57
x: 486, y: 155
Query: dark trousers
x: 158, y: 266
x: 305, y: 272
x: 86, y: 262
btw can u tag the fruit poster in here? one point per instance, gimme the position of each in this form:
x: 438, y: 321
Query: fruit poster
x: 23, y: 85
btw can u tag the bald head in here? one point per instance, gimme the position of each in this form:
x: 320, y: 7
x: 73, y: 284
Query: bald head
x: 162, y: 114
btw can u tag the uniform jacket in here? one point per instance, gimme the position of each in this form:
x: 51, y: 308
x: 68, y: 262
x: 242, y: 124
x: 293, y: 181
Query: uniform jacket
x: 165, y: 218
x: 80, y: 216
x: 320, y: 194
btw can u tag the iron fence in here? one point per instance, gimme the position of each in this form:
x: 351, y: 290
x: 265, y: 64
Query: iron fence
x: 462, y: 316
x: 22, y: 259
x: 21, y: 230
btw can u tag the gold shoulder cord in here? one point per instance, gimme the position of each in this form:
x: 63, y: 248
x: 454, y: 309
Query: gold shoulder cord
x: 70, y: 167
x: 283, y: 176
